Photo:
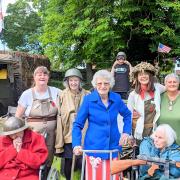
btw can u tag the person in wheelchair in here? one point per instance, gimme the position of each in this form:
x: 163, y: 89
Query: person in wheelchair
x: 161, y: 144
x: 22, y: 151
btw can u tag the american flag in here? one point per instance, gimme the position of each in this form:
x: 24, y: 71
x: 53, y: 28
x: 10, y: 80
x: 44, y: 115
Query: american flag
x: 163, y: 49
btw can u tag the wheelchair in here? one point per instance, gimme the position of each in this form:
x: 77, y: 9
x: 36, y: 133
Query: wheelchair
x: 53, y: 172
x: 155, y: 163
x: 128, y: 152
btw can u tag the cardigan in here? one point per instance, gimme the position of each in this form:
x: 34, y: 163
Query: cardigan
x: 135, y: 102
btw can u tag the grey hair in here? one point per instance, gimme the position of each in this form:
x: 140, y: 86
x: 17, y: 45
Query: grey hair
x: 172, y: 75
x: 66, y: 84
x: 170, y: 134
x: 105, y: 75
x: 41, y: 69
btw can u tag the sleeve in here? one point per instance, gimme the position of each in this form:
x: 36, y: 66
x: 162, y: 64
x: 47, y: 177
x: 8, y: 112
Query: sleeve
x: 24, y: 98
x: 36, y: 154
x: 145, y: 147
x: 160, y: 87
x: 175, y: 171
x: 127, y: 117
x: 130, y: 102
x: 79, y: 122
x: 59, y: 143
x: 6, y: 155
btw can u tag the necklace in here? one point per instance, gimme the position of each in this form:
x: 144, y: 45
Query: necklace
x: 172, y: 101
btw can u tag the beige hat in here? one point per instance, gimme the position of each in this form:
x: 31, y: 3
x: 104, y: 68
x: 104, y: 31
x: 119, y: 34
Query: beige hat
x: 143, y: 66
x: 12, y: 125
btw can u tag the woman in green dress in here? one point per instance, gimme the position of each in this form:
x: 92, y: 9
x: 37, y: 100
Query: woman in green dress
x: 170, y: 104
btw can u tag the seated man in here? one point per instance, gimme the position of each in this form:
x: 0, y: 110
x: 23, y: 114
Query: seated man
x: 161, y: 144
x: 22, y: 151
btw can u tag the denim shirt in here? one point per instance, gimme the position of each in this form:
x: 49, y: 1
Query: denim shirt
x: 148, y: 148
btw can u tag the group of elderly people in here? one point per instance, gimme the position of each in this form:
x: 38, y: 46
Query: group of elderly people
x: 94, y: 115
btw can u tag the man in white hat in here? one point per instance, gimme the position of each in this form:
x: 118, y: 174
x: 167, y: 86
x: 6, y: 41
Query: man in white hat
x: 22, y: 151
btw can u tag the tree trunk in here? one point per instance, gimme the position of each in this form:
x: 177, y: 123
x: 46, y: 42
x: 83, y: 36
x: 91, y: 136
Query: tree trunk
x: 89, y: 73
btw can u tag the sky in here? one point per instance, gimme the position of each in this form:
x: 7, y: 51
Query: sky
x: 4, y: 4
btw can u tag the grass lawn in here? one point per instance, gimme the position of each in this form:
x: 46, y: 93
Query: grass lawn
x: 57, y: 165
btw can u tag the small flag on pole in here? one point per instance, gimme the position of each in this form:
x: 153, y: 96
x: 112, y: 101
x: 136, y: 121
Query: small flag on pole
x: 1, y: 18
x: 163, y: 49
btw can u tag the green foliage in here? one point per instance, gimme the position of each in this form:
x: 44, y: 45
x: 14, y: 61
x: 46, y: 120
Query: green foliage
x: 72, y: 32
x: 22, y: 27
x: 94, y: 31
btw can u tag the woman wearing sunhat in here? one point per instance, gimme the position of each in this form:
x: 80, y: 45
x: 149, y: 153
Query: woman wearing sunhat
x: 22, y: 151
x: 70, y: 101
x: 144, y: 100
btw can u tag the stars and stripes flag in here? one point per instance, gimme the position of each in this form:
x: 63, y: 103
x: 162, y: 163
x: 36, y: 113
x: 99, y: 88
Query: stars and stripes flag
x: 1, y: 18
x: 163, y: 49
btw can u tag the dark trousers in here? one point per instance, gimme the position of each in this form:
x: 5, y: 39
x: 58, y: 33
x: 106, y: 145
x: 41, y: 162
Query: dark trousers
x: 124, y: 95
x: 68, y: 165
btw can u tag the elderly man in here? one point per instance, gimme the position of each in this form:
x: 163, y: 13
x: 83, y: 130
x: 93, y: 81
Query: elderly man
x: 22, y: 151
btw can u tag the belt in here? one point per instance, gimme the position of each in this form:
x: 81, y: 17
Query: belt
x: 42, y: 119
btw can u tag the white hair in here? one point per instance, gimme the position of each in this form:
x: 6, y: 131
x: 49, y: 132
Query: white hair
x: 105, y: 75
x: 170, y: 134
x: 172, y: 75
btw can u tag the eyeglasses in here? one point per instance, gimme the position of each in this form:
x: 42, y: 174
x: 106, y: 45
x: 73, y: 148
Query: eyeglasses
x: 120, y: 59
x: 105, y: 84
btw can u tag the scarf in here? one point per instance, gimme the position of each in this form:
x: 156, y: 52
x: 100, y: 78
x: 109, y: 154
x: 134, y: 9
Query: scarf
x: 144, y: 90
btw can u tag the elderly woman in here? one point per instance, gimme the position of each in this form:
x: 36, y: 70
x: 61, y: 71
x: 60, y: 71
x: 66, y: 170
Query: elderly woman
x: 70, y: 100
x: 101, y: 108
x: 144, y: 100
x: 38, y: 105
x: 22, y: 151
x: 170, y: 103
x: 161, y: 144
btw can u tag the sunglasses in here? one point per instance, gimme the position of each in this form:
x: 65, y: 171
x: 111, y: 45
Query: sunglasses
x: 118, y: 59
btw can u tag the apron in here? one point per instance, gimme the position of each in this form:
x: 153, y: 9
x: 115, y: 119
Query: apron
x: 42, y: 118
x: 149, y: 114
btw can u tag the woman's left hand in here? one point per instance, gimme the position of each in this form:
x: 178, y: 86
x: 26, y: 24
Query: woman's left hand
x: 124, y: 139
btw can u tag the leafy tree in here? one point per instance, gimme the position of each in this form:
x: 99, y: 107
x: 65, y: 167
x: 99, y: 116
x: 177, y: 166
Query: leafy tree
x: 93, y: 31
x: 22, y: 27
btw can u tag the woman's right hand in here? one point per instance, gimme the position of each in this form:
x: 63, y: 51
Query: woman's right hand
x: 136, y: 114
x: 77, y: 150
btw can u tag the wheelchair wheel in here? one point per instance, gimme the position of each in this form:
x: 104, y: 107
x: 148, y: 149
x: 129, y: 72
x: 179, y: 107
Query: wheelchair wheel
x: 53, y: 174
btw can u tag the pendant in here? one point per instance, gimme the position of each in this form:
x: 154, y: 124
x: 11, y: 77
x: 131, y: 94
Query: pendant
x: 170, y: 108
x: 170, y: 105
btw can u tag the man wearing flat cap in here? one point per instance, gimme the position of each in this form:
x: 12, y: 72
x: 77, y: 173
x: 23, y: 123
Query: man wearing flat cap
x: 22, y: 151
x: 121, y: 70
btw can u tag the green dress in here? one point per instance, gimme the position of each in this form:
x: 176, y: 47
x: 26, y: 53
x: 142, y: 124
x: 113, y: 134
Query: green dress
x: 170, y: 114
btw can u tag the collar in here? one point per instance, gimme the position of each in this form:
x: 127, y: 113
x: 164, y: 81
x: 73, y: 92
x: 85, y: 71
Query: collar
x: 26, y: 138
x: 96, y: 97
